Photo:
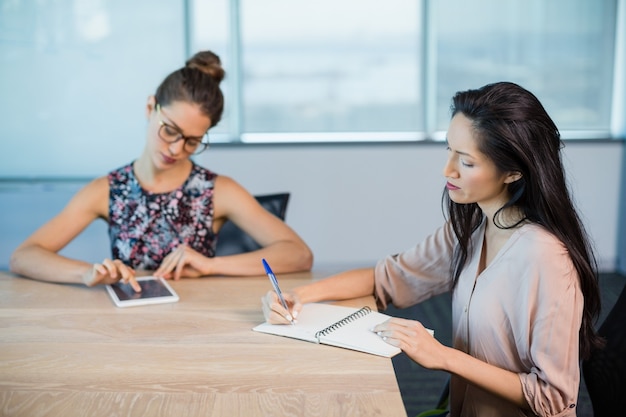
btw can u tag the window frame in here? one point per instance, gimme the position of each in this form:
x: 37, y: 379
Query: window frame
x: 237, y: 136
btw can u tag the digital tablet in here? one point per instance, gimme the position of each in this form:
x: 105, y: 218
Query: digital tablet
x: 153, y: 291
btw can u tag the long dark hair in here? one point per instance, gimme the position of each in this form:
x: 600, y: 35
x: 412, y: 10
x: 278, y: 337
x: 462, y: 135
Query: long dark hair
x: 514, y: 131
x: 197, y: 82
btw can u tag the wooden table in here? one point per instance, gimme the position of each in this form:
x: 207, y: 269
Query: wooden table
x: 66, y: 350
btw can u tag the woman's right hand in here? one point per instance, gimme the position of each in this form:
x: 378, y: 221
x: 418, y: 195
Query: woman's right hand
x: 111, y: 272
x: 274, y: 311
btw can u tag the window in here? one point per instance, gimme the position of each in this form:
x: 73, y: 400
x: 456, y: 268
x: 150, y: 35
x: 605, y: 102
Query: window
x: 362, y: 70
x: 560, y: 50
x: 74, y: 81
x: 75, y: 75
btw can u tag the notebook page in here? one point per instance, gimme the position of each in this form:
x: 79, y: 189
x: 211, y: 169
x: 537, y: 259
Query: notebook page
x: 353, y: 335
x: 312, y: 318
x: 357, y: 335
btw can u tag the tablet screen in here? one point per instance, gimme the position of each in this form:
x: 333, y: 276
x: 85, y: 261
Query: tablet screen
x: 149, y: 289
x: 153, y: 290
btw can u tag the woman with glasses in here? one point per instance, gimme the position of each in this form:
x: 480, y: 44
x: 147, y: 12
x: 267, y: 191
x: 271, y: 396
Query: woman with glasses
x: 164, y: 211
x: 513, y: 253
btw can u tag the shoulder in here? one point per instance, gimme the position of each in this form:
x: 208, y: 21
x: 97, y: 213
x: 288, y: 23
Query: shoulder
x: 201, y: 180
x: 439, y: 244
x: 93, y: 197
x: 120, y: 174
x: 538, y: 253
x: 227, y: 185
x: 536, y: 241
x: 96, y: 187
x: 200, y: 171
x: 231, y: 197
x: 121, y: 179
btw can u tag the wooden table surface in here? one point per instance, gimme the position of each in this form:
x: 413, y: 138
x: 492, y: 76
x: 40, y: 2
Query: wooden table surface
x: 66, y: 350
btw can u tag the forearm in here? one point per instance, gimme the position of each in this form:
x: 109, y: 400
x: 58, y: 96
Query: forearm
x: 346, y: 285
x: 283, y: 256
x: 503, y: 383
x: 38, y: 263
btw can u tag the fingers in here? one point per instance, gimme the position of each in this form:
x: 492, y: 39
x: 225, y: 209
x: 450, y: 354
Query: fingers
x: 122, y: 273
x: 383, y: 330
x: 110, y: 272
x: 274, y: 311
x: 415, y: 340
x: 133, y: 283
x: 95, y: 275
x: 272, y: 316
x: 167, y: 266
x: 399, y: 332
x: 180, y: 265
x: 173, y: 265
x: 296, y: 305
x: 397, y: 324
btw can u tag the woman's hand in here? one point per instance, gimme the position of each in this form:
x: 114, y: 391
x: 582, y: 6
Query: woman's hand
x: 274, y: 311
x: 414, y: 340
x: 182, y: 262
x: 111, y: 272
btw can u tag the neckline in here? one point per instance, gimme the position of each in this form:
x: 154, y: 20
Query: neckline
x: 152, y: 193
x: 505, y: 247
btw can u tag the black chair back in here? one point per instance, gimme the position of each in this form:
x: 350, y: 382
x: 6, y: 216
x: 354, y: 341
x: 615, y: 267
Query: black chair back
x: 232, y: 240
x: 605, y: 370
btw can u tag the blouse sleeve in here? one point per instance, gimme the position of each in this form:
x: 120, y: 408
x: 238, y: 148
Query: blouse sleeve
x: 555, y: 305
x: 416, y: 274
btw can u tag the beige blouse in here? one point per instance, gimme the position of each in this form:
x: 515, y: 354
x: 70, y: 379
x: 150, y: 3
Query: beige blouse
x: 522, y: 313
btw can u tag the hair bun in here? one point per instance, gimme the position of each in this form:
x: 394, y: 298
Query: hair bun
x: 208, y: 63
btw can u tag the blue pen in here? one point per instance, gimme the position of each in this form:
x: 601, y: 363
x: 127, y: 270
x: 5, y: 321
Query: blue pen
x: 274, y: 282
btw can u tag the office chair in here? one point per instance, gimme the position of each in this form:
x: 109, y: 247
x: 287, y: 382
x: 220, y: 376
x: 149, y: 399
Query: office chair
x: 441, y: 408
x: 232, y: 240
x: 605, y: 370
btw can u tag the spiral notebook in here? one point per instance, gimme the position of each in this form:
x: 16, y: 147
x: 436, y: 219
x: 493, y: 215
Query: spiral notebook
x: 338, y: 326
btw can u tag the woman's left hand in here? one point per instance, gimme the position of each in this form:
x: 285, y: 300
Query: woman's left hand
x: 414, y: 340
x: 181, y: 262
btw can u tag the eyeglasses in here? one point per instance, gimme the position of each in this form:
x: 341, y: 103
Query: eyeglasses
x: 171, y: 134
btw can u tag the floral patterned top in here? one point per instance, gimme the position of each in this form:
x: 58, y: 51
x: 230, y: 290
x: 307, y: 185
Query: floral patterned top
x: 145, y: 227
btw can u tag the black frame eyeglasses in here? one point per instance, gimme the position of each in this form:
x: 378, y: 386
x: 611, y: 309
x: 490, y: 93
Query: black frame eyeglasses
x: 172, y: 134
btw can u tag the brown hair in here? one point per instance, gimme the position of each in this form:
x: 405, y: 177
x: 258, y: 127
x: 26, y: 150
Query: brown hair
x: 518, y: 135
x: 197, y: 82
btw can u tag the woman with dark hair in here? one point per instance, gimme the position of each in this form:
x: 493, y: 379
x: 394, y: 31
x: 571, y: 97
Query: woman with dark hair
x: 163, y: 210
x: 514, y: 254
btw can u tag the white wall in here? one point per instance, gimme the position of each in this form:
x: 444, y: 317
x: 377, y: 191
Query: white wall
x: 351, y: 203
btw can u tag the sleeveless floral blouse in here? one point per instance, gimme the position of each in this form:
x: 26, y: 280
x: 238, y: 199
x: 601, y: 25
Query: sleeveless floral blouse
x: 145, y: 227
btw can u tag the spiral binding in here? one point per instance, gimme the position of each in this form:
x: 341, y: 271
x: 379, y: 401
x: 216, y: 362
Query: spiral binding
x: 348, y: 319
